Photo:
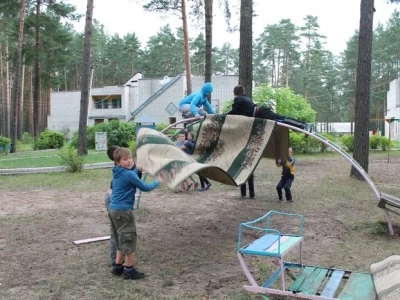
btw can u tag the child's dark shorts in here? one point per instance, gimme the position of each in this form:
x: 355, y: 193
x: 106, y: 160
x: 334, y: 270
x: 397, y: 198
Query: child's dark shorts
x: 124, y: 228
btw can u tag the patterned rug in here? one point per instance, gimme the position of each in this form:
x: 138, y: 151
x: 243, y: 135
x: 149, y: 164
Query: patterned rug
x: 386, y: 275
x: 227, y: 150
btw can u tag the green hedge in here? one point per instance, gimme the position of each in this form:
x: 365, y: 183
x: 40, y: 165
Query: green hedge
x: 301, y: 143
x: 5, y: 144
x: 118, y: 133
x: 49, y: 139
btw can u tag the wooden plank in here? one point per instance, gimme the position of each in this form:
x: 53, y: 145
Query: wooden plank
x: 295, y: 286
x: 260, y: 244
x: 333, y: 283
x: 360, y: 286
x: 274, y: 246
x: 289, y: 243
x: 101, y: 238
x: 310, y: 287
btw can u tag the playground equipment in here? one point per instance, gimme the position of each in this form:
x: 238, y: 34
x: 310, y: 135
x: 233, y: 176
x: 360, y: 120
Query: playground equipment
x: 385, y: 201
x: 311, y: 282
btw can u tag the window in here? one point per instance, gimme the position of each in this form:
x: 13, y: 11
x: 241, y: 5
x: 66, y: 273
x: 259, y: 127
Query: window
x: 172, y: 120
x: 116, y: 102
x: 98, y: 121
x: 107, y: 101
x: 101, y: 103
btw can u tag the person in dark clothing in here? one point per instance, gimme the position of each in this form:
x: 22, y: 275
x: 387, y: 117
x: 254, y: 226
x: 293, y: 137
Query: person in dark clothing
x: 250, y: 182
x: 205, y: 184
x: 287, y: 178
x: 243, y: 105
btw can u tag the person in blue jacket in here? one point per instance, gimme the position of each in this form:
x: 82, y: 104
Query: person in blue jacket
x: 192, y: 105
x: 120, y: 211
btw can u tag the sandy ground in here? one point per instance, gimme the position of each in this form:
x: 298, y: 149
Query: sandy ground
x: 187, y: 241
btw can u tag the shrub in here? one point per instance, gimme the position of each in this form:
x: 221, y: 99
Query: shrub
x: 374, y: 142
x: 27, y: 138
x: 311, y: 144
x: 385, y: 143
x: 5, y: 144
x: 49, y: 140
x: 347, y: 141
x: 118, y: 133
x: 297, y: 142
x: 329, y: 137
x: 72, y: 160
x: 132, y: 147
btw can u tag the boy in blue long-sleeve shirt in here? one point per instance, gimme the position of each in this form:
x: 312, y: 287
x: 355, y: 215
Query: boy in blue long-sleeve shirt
x: 120, y: 212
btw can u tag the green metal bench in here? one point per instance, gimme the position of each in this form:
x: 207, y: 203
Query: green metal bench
x: 272, y: 243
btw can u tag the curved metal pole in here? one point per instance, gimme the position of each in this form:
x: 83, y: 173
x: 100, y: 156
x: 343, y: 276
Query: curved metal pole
x: 341, y: 152
x: 182, y: 121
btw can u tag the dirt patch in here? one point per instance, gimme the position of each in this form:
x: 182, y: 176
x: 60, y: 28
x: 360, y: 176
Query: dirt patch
x: 187, y: 241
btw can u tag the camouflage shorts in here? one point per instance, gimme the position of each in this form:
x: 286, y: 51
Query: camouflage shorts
x: 124, y: 229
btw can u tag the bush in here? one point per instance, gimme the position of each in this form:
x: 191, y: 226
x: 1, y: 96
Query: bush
x: 27, y: 138
x: 329, y: 137
x: 132, y: 147
x: 374, y: 142
x: 297, y: 142
x: 5, y: 144
x: 347, y: 141
x: 312, y: 145
x: 118, y: 133
x: 72, y: 160
x: 49, y: 140
x: 385, y: 143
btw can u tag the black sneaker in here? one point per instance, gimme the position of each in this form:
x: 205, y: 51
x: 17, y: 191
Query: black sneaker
x: 133, y: 274
x: 117, y: 270
x: 253, y: 197
x: 290, y: 201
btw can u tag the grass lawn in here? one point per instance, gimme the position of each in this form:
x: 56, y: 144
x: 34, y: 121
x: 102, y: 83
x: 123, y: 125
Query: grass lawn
x: 45, y: 158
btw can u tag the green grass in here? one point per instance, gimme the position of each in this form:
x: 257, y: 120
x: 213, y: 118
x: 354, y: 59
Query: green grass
x: 93, y: 178
x: 45, y: 158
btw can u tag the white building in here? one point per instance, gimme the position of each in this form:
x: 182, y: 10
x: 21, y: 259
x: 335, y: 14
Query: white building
x: 393, y: 110
x: 154, y: 98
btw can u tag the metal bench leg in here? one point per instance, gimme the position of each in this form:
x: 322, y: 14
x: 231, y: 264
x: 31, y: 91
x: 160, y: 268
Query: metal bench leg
x: 389, y: 222
x: 301, y: 254
x: 282, y: 273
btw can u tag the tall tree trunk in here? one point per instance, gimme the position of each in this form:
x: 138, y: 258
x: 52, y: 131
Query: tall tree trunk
x: 45, y: 108
x: 65, y: 80
x: 208, y: 8
x: 246, y: 46
x: 17, y: 81
x: 2, y: 110
x: 82, y: 147
x: 77, y: 77
x: 6, y: 91
x: 187, y: 50
x: 20, y: 124
x: 36, y: 94
x: 287, y: 72
x: 363, y: 81
x: 30, y: 105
